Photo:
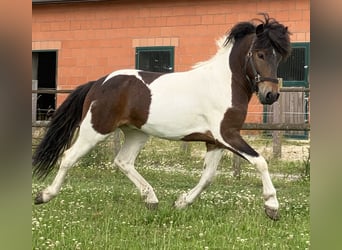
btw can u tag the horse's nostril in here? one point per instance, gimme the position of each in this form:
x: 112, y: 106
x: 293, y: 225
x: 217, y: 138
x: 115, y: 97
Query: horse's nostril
x: 268, y: 96
x: 277, y: 96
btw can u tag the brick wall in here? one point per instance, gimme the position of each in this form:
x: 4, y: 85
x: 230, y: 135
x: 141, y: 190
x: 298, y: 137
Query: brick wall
x: 94, y: 39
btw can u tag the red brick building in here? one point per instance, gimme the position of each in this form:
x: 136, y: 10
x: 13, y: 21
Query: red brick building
x: 77, y: 41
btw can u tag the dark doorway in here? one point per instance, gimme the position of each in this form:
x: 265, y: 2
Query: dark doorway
x: 44, y: 70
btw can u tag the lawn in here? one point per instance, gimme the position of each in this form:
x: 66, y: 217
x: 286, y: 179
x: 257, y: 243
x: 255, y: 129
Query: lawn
x: 99, y: 208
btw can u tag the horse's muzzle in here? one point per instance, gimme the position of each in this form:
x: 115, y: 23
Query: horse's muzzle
x: 269, y: 98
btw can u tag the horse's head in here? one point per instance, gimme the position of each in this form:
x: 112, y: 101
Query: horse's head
x: 269, y: 46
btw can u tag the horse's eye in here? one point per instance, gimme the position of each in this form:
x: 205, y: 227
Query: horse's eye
x: 260, y: 55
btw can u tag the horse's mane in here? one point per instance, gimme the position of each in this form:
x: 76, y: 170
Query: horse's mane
x: 273, y: 34
x: 269, y: 33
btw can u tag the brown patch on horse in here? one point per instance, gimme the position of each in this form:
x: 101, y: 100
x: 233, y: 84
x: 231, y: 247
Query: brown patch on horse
x: 90, y: 96
x: 148, y: 77
x: 242, y: 91
x: 210, y: 141
x: 205, y: 137
x: 211, y: 146
x: 121, y: 100
x: 230, y: 131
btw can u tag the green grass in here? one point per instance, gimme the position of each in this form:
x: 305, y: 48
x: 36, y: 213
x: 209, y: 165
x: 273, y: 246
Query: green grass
x: 99, y: 208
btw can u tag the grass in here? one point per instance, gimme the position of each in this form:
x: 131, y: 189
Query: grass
x: 99, y: 208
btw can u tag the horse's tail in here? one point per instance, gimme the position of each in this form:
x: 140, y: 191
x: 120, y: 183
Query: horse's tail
x: 60, y: 132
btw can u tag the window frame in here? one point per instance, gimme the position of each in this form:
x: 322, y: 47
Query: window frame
x: 170, y: 49
x: 305, y: 82
x: 39, y: 87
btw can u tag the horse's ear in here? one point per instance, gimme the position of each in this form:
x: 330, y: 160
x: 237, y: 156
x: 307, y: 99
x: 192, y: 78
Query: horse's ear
x: 259, y: 29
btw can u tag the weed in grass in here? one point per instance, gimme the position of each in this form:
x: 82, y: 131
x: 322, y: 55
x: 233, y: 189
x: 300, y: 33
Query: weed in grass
x: 306, y: 163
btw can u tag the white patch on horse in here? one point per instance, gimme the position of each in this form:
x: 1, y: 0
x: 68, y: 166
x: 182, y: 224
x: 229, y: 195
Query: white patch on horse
x: 131, y: 72
x: 191, y: 99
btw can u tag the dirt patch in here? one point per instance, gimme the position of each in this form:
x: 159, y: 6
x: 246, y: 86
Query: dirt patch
x: 288, y: 152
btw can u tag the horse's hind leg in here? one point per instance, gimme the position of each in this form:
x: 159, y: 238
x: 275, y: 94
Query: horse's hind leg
x: 211, y: 161
x: 134, y: 141
x: 87, y: 139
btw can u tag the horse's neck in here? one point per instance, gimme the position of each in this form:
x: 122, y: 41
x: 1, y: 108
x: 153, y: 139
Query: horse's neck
x: 221, y: 63
x: 241, y: 88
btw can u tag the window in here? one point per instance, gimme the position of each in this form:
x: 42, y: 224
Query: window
x: 295, y: 69
x: 43, y: 77
x: 156, y: 59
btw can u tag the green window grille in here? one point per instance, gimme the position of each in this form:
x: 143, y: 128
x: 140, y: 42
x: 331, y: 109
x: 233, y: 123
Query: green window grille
x: 295, y: 69
x: 156, y: 59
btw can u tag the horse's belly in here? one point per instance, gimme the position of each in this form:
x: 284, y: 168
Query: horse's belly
x: 173, y: 129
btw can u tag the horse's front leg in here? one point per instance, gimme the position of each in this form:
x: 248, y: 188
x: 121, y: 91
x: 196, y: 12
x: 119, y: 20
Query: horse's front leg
x: 238, y: 145
x: 269, y: 192
x: 212, y: 159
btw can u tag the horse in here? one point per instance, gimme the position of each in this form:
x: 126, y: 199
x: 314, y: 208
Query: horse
x: 207, y: 103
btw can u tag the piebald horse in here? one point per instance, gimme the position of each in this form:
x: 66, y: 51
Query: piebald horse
x: 207, y: 103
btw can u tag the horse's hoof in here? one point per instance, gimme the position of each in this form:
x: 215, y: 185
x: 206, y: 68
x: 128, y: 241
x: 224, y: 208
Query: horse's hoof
x: 39, y: 199
x: 272, y: 213
x: 181, y: 203
x: 151, y: 206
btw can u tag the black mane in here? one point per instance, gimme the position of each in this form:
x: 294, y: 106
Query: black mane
x: 239, y: 31
x: 270, y: 33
